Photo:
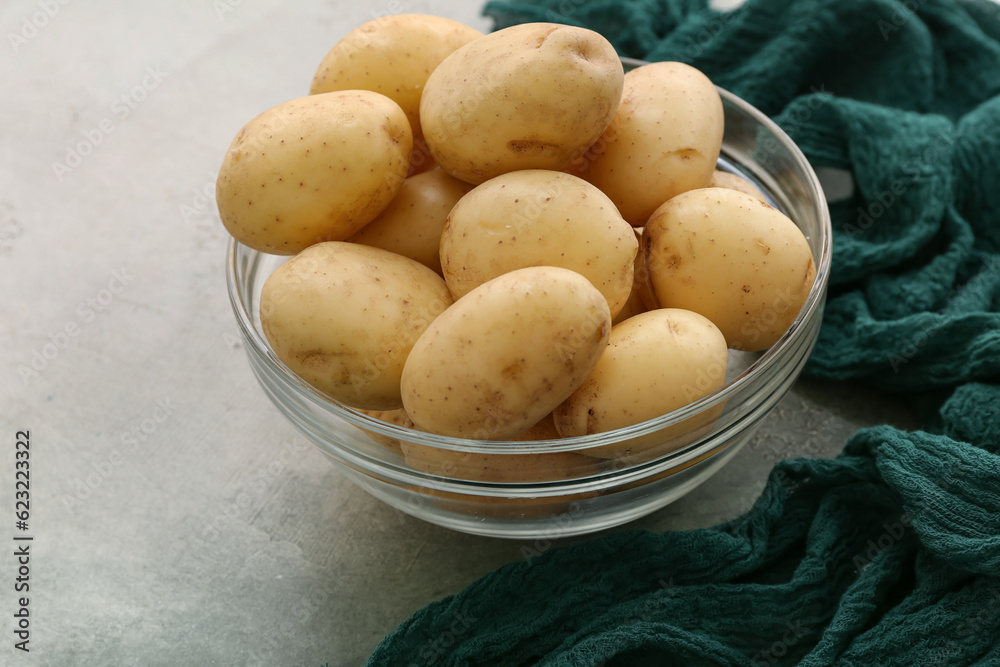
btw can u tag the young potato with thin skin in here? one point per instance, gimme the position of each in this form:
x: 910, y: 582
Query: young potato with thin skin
x: 532, y: 96
x: 664, y: 139
x: 536, y: 217
x: 543, y: 430
x: 411, y: 224
x: 508, y: 468
x: 636, y: 303
x: 499, y: 468
x: 313, y: 169
x: 643, y: 282
x: 486, y: 467
x: 343, y: 317
x: 634, y: 306
x: 394, y: 55
x: 504, y: 468
x: 396, y: 417
x: 724, y: 179
x: 732, y: 258
x: 504, y: 355
x: 655, y: 362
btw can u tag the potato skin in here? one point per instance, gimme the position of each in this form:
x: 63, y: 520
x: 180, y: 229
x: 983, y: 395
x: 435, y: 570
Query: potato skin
x: 395, y: 417
x: 634, y: 306
x: 344, y: 317
x: 503, y: 468
x: 664, y: 139
x: 655, y: 362
x: 393, y: 55
x: 543, y: 430
x: 536, y: 217
x: 724, y: 179
x: 412, y: 223
x: 732, y: 258
x: 532, y: 96
x: 637, y: 301
x: 499, y: 468
x: 478, y: 373
x: 313, y: 169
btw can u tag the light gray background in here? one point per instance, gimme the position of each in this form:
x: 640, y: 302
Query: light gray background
x: 178, y: 519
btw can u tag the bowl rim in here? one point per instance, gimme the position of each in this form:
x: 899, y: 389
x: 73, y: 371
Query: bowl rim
x: 769, y: 358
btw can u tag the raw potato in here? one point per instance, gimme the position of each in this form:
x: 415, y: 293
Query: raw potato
x: 643, y: 282
x: 537, y: 217
x: 506, y: 354
x: 507, y: 469
x: 343, y: 317
x: 637, y: 302
x: 393, y: 55
x: 499, y: 468
x: 396, y: 417
x: 532, y: 96
x: 412, y: 222
x: 313, y: 169
x: 655, y: 362
x: 664, y: 139
x: 724, y: 179
x: 543, y: 430
x: 634, y: 306
x: 734, y: 259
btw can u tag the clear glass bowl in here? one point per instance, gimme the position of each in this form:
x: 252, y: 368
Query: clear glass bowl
x: 553, y: 488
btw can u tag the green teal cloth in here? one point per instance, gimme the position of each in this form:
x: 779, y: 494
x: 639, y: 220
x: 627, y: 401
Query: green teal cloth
x: 890, y: 553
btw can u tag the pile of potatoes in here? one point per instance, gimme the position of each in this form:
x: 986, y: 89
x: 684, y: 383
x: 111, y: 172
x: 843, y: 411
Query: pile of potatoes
x: 505, y: 236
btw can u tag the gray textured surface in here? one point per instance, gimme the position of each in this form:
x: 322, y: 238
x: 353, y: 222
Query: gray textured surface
x: 178, y: 520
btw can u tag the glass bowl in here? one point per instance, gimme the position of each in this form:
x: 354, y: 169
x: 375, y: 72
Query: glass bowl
x: 554, y: 488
